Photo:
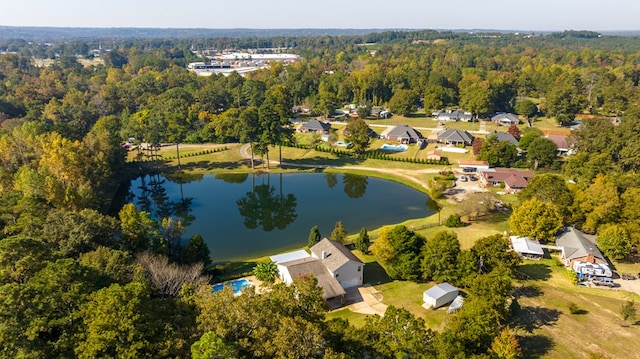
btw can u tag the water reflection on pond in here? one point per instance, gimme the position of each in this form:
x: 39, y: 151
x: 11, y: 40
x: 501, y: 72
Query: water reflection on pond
x: 244, y: 216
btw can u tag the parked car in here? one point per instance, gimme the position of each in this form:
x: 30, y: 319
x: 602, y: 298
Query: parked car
x: 603, y: 281
x: 463, y: 178
x: 627, y: 276
x: 473, y: 178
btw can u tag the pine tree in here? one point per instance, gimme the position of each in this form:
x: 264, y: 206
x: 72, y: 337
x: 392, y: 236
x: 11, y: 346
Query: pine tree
x: 339, y: 234
x: 314, y: 236
x: 363, y: 242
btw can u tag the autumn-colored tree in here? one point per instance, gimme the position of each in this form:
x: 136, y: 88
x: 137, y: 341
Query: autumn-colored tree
x: 614, y: 240
x: 536, y: 219
x: 598, y: 204
x: 506, y: 345
x: 514, y: 131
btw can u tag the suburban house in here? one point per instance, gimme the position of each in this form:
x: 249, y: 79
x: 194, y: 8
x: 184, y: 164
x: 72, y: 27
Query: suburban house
x: 581, y: 254
x: 562, y: 141
x: 340, y: 261
x: 514, y: 180
x: 504, y: 137
x: 455, y: 137
x: 452, y: 116
x: 439, y: 295
x: 473, y: 166
x: 402, y: 134
x: 526, y: 247
x: 315, y: 126
x: 330, y: 262
x: 506, y: 119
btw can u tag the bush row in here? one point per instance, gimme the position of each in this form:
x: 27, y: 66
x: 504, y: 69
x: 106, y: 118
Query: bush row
x: 200, y: 153
x: 377, y: 155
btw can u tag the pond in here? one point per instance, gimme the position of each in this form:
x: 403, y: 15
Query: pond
x: 243, y: 216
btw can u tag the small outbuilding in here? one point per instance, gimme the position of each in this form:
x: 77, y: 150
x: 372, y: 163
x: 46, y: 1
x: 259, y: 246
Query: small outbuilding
x: 526, y: 248
x: 439, y: 295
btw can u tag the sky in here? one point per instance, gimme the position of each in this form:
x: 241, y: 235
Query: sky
x: 537, y: 15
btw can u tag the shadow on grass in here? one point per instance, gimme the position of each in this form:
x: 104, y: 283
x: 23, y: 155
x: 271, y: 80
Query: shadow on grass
x: 528, y: 291
x: 535, y: 346
x: 536, y: 271
x: 580, y: 312
x: 530, y: 318
x: 232, y: 270
x: 375, y: 274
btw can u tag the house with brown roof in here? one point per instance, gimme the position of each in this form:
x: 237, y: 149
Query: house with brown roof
x: 291, y: 270
x: 340, y: 261
x: 514, y: 180
x: 330, y: 262
x: 565, y: 147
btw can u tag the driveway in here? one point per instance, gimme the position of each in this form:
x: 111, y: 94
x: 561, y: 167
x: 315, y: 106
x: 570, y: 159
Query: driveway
x: 628, y: 285
x: 364, y: 300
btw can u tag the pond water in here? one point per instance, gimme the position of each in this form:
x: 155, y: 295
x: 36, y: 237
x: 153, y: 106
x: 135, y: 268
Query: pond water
x: 246, y: 216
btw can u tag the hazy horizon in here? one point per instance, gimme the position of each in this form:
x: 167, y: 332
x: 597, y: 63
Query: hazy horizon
x: 503, y: 15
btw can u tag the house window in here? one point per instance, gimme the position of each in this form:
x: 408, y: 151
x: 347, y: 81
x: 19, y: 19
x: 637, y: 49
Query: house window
x: 359, y: 268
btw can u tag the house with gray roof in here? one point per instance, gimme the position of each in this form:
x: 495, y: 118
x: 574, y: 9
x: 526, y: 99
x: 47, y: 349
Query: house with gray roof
x: 581, y: 254
x: 455, y: 137
x: 505, y: 137
x: 452, y: 116
x: 402, y: 134
x: 346, y: 268
x: 315, y: 126
x: 507, y: 119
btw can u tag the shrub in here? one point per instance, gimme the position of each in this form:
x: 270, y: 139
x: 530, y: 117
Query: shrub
x: 573, y: 308
x: 454, y: 221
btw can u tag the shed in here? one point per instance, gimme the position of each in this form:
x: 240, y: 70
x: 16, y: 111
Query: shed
x: 439, y: 295
x: 526, y: 247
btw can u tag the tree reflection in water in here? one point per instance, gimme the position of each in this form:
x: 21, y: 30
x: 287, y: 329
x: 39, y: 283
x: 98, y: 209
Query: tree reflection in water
x: 355, y: 186
x: 263, y: 207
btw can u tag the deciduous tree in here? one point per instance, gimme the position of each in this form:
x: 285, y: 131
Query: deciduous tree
x: 439, y: 257
x: 536, y: 219
x: 614, y: 240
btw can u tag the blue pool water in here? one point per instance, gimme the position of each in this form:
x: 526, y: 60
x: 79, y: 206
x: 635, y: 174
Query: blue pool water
x: 343, y: 144
x: 389, y: 147
x: 236, y: 285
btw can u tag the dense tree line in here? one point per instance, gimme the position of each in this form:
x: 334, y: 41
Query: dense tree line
x: 71, y: 273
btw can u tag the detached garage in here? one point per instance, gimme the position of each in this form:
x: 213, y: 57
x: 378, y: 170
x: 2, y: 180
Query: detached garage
x: 440, y: 295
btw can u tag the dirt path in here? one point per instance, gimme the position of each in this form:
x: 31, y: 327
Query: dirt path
x: 410, y: 175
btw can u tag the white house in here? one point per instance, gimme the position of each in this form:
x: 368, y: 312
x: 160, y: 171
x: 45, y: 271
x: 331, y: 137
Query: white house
x: 439, y: 295
x: 330, y: 262
x: 341, y: 263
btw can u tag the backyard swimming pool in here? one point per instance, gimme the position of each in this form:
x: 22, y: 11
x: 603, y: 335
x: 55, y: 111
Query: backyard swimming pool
x: 389, y: 147
x: 343, y: 144
x: 236, y: 285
